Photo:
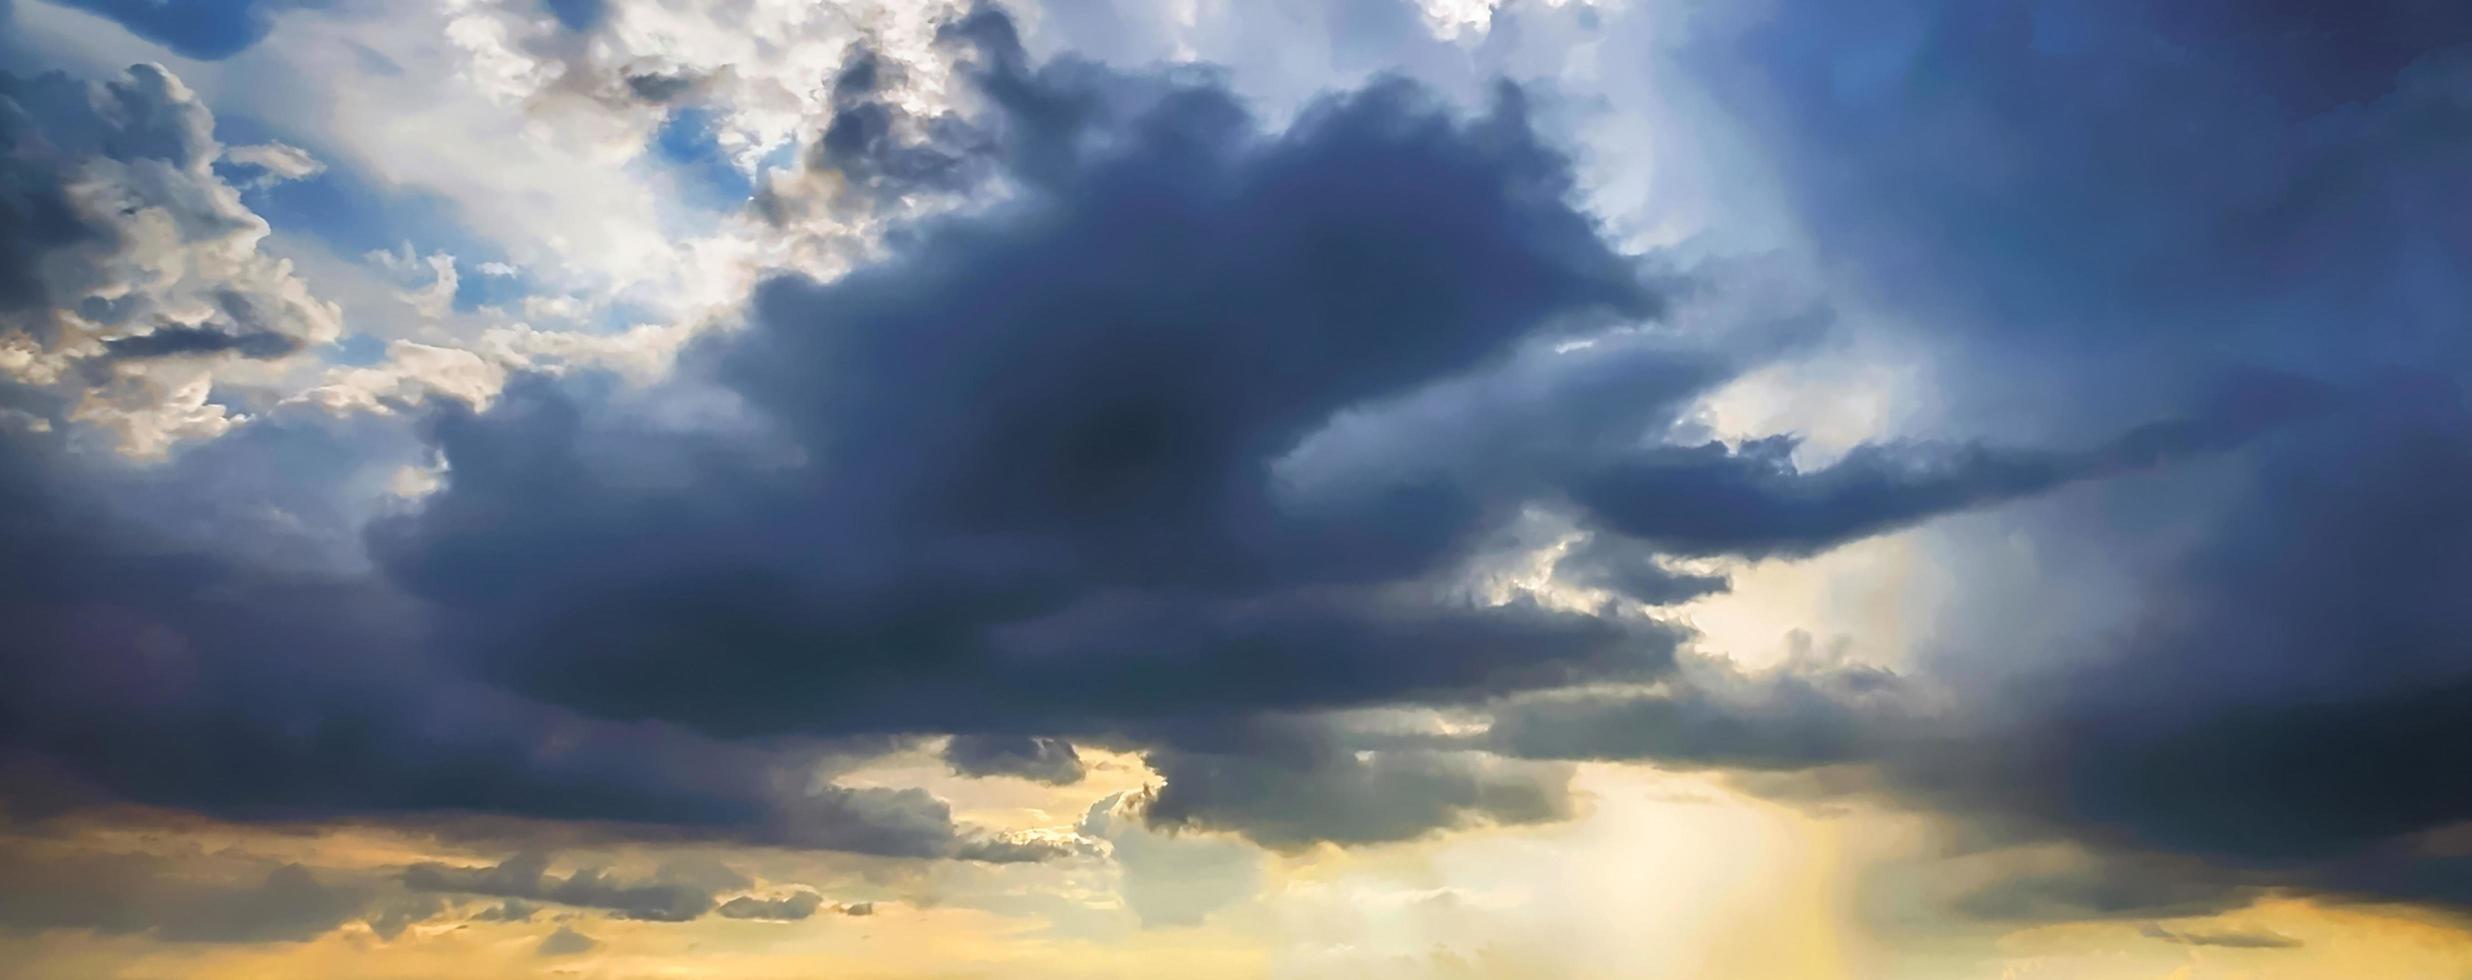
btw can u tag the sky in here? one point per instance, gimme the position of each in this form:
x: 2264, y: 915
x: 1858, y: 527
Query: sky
x: 1301, y: 488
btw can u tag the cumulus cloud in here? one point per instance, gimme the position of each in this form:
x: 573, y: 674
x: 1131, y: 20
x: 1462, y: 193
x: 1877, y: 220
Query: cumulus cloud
x: 1011, y: 550
x: 134, y: 270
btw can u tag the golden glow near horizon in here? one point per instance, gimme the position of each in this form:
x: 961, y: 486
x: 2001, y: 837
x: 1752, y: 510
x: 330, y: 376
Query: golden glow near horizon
x: 1664, y: 875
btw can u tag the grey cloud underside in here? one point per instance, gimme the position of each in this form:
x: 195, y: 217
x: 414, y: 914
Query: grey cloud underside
x: 1046, y: 760
x: 1801, y: 715
x: 1293, y: 796
x: 209, y: 682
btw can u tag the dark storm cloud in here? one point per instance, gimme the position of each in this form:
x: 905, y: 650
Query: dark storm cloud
x: 210, y: 681
x: 1195, y: 427
x: 1093, y: 460
x: 2301, y: 692
x: 2095, y: 209
x: 2195, y: 190
x: 1047, y: 760
x: 1093, y: 536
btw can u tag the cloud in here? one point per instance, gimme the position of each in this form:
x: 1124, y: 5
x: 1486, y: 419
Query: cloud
x: 1200, y: 428
x: 1094, y: 539
x: 2227, y: 939
x: 1805, y: 713
x: 1291, y: 793
x: 275, y: 162
x: 125, y: 249
x: 1046, y: 760
x: 206, y: 677
x: 2107, y: 888
x: 790, y: 908
x: 1016, y: 848
x: 565, y: 941
x: 511, y: 910
x: 1752, y: 500
x: 1171, y: 879
x: 525, y: 876
x: 194, y: 341
x: 2253, y: 660
x: 1606, y: 562
x: 220, y: 902
x: 205, y: 29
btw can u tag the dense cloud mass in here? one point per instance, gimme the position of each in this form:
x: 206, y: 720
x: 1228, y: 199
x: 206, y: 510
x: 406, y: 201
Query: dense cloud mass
x: 1344, y: 463
x: 1098, y: 542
